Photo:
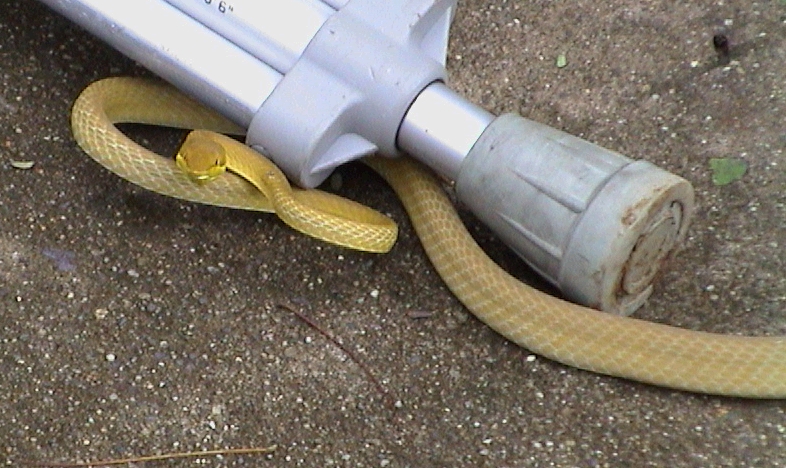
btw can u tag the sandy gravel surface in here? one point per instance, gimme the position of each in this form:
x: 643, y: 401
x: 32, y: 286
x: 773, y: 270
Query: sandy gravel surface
x: 132, y: 324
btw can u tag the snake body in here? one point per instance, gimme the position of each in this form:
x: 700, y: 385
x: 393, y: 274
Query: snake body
x: 262, y: 187
x: 657, y: 354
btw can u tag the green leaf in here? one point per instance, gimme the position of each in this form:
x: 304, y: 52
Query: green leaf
x: 562, y: 61
x: 727, y: 170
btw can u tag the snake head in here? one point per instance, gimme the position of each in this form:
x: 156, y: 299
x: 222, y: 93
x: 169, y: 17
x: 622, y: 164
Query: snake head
x: 201, y: 158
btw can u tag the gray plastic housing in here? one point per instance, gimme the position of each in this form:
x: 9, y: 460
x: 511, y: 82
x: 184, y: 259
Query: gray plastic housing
x: 367, y: 75
x: 594, y: 223
x: 347, y: 94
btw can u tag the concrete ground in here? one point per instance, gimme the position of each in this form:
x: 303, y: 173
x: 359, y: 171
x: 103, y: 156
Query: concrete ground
x: 132, y: 324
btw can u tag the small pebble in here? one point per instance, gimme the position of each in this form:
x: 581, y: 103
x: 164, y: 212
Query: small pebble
x: 722, y: 47
x: 419, y: 314
x: 336, y: 181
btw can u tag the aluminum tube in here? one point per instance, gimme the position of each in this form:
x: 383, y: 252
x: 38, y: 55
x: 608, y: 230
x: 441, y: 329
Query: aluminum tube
x: 180, y: 50
x: 336, y: 4
x: 274, y: 31
x: 441, y: 127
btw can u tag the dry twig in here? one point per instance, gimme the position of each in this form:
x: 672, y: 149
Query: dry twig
x: 166, y: 456
x: 385, y: 395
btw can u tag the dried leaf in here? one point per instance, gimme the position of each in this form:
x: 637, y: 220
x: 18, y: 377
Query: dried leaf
x: 22, y: 164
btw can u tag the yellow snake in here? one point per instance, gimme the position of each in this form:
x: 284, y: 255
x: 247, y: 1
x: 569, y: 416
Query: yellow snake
x: 695, y: 361
x: 127, y: 100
